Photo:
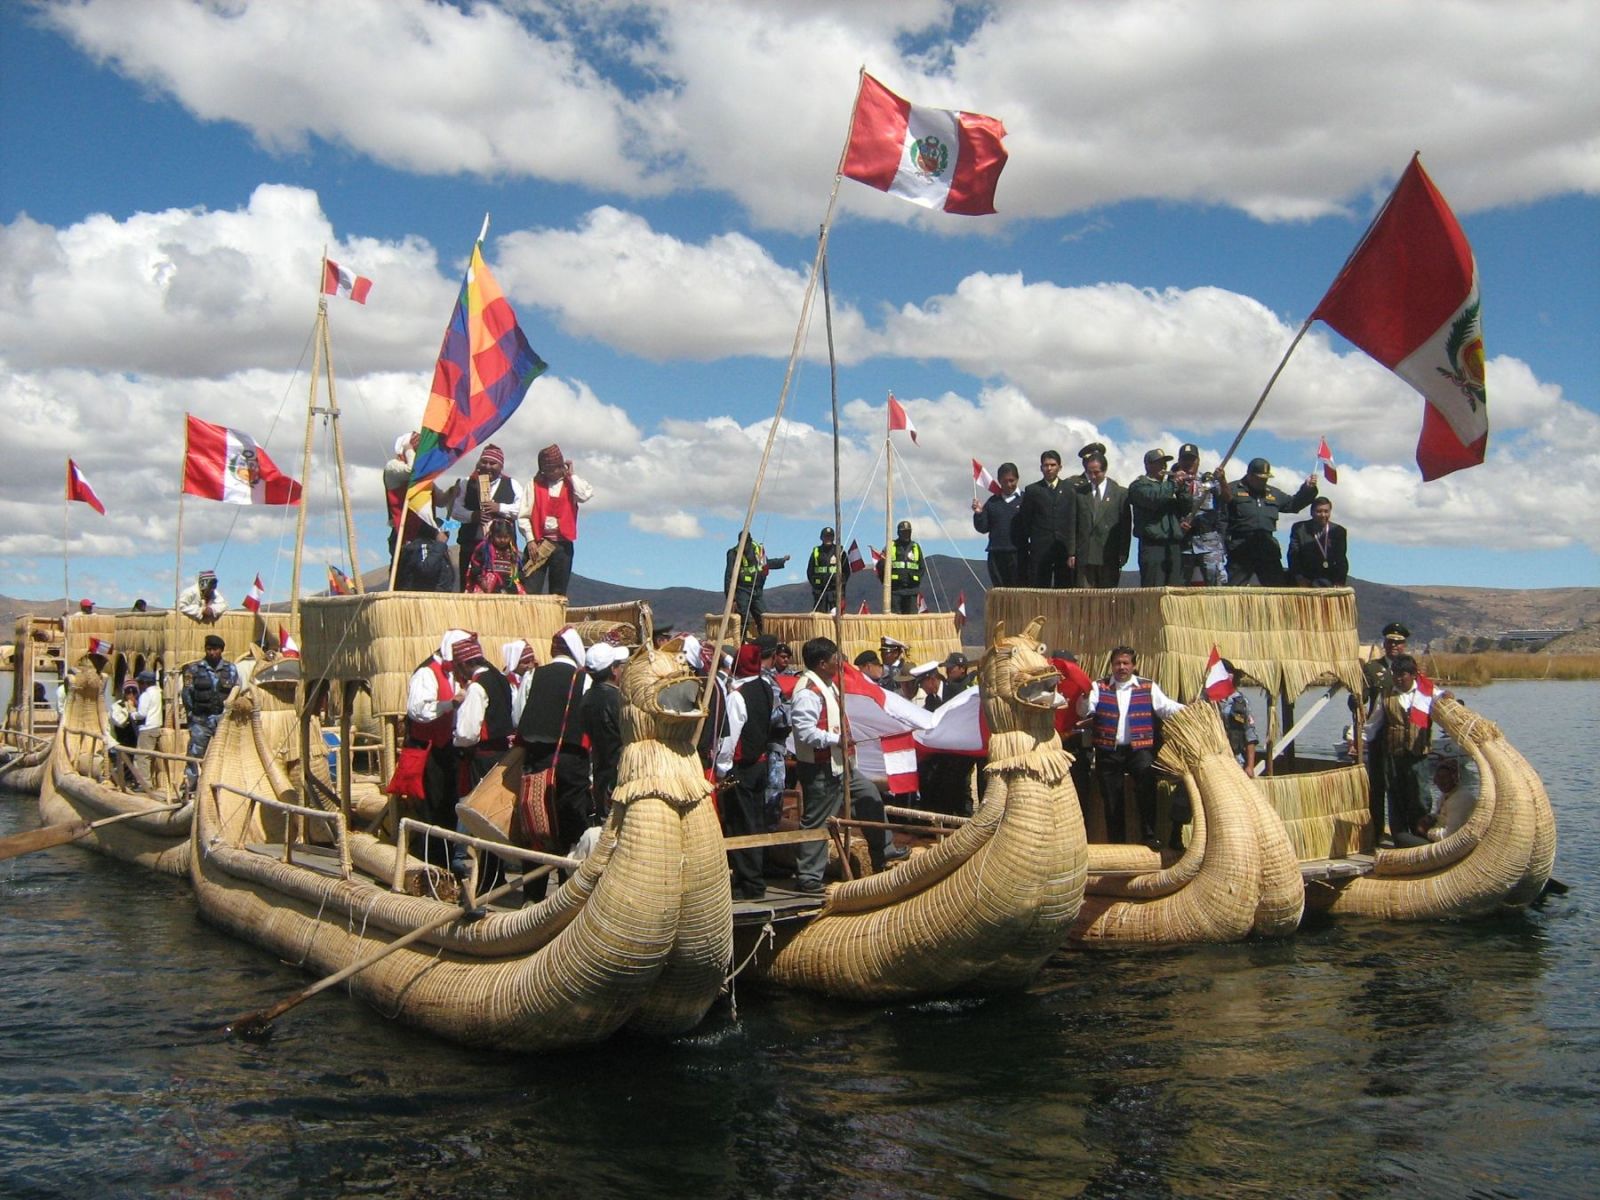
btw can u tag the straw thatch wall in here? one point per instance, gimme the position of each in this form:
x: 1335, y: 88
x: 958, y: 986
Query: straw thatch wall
x: 930, y: 635
x: 635, y: 614
x: 83, y: 626
x: 1285, y: 639
x: 1325, y: 812
x: 382, y: 636
x: 174, y: 639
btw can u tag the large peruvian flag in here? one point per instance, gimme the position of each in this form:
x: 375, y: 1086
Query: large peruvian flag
x: 1409, y: 297
x: 224, y: 464
x: 958, y: 727
x: 934, y: 157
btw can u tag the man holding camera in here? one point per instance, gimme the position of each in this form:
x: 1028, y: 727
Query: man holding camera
x: 1157, y: 508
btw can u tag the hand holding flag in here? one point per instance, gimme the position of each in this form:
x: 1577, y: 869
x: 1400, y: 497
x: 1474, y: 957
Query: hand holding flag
x: 1421, y: 714
x: 982, y: 479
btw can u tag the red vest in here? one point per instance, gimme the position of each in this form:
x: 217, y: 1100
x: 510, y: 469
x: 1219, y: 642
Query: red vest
x: 564, y: 508
x: 441, y: 730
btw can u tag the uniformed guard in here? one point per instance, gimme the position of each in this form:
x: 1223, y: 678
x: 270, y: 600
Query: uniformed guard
x: 904, y: 561
x: 1380, y: 686
x: 206, y: 684
x: 822, y: 573
x: 742, y: 574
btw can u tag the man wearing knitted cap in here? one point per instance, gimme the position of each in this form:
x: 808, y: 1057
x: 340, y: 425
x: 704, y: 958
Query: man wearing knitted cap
x: 483, y: 727
x: 201, y: 601
x: 489, y: 494
x: 552, y: 522
x: 432, y: 697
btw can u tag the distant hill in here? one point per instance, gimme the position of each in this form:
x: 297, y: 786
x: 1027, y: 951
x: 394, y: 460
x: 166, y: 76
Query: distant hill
x: 1431, y: 613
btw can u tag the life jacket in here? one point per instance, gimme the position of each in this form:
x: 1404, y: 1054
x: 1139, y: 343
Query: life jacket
x: 1400, y: 735
x: 823, y: 568
x: 564, y: 508
x: 208, y: 687
x: 1141, y: 716
x: 441, y: 730
x: 1235, y: 713
x: 905, y: 565
x: 749, y: 568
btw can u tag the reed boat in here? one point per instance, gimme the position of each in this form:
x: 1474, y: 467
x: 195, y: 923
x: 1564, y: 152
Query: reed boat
x: 1310, y: 815
x: 638, y: 937
x: 35, y: 661
x: 983, y: 909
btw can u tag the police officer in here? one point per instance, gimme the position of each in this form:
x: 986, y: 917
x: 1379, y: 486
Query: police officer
x: 1251, y: 516
x: 743, y: 574
x: 1379, y: 687
x: 206, y: 685
x: 823, y: 572
x: 904, y: 562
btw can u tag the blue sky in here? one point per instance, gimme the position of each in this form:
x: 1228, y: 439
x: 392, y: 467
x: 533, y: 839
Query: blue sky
x: 1184, y: 183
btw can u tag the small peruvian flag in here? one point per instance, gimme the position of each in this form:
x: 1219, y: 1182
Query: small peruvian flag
x: 257, y: 593
x: 877, y: 555
x: 1218, y: 684
x: 100, y: 647
x: 1325, y: 461
x: 1421, y: 713
x: 78, y: 489
x: 864, y: 610
x: 961, y: 609
x: 287, y: 646
x: 982, y: 479
x: 922, y: 605
x: 340, y: 281
x: 853, y: 557
x: 900, y: 419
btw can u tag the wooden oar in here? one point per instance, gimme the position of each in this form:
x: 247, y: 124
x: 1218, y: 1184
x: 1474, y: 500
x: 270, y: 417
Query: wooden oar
x: 259, y: 1024
x: 19, y: 844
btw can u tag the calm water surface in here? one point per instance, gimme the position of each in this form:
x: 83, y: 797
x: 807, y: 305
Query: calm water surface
x: 1356, y: 1059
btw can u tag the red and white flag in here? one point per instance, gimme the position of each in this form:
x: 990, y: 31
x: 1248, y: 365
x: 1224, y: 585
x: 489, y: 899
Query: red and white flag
x: 78, y: 489
x: 340, y: 281
x: 877, y: 555
x: 257, y: 594
x: 1408, y: 296
x: 934, y: 157
x: 863, y: 610
x: 287, y: 646
x: 1421, y: 714
x: 853, y: 557
x: 982, y: 479
x: 922, y: 605
x: 1325, y: 461
x: 899, y: 418
x: 1218, y: 684
x: 100, y: 647
x: 224, y: 464
x: 961, y: 609
x: 958, y: 727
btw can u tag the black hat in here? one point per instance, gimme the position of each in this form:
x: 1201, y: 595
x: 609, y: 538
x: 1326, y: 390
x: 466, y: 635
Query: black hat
x: 1188, y: 450
x: 1092, y: 448
x: 903, y: 527
x: 1156, y: 455
x: 827, y: 532
x: 1394, y: 631
x: 1259, y: 466
x: 955, y: 660
x: 213, y: 642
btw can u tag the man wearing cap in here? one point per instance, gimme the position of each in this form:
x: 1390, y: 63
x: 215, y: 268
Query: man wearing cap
x: 1157, y: 508
x: 122, y: 726
x: 903, y: 561
x: 1379, y: 676
x: 488, y: 494
x: 1251, y: 513
x: 742, y: 574
x: 86, y: 606
x: 1318, y: 555
x: 957, y: 676
x: 432, y: 695
x: 483, y: 721
x: 1046, y: 529
x: 206, y: 684
x: 552, y: 730
x: 1204, y: 552
x: 151, y: 714
x: 892, y: 652
x: 1105, y: 522
x: 823, y: 572
x: 552, y: 521
x: 1405, y: 733
x: 201, y: 601
x: 996, y: 516
x: 601, y: 718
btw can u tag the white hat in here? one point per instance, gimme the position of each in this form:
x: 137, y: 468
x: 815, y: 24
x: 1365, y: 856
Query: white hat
x: 691, y: 651
x: 511, y: 655
x: 603, y: 655
x: 402, y: 445
x: 886, y: 640
x: 924, y: 669
x: 447, y: 643
x: 574, y: 644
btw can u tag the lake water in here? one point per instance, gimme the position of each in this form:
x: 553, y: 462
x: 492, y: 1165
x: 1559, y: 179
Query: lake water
x: 1354, y: 1059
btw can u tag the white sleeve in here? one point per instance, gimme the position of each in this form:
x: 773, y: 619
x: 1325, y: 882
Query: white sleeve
x: 738, y: 714
x: 189, y: 602
x: 422, y: 696
x: 1162, y: 703
x: 803, y: 716
x: 582, y: 493
x: 469, y: 716
x: 1089, y: 700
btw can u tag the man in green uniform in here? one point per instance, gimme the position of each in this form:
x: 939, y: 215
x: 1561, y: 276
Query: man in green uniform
x: 1379, y: 687
x: 1157, y: 509
x: 1252, y: 510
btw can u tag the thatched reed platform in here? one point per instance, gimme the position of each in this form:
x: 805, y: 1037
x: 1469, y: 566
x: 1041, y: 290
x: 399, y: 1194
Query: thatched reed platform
x: 929, y: 635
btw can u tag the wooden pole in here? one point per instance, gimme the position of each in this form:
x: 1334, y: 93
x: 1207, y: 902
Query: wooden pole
x: 888, y: 515
x: 305, y: 456
x: 1250, y: 420
x: 338, y: 454
x: 838, y: 608
x: 19, y: 844
x: 66, y: 581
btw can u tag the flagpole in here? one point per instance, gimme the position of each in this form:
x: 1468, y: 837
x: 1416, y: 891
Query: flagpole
x: 338, y: 457
x: 1250, y: 420
x: 838, y: 577
x: 66, y: 580
x: 305, y: 456
x: 888, y: 510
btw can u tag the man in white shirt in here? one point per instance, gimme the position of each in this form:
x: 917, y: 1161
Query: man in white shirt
x: 1124, y: 708
x: 819, y: 755
x: 151, y: 714
x: 551, y: 522
x: 432, y: 697
x: 201, y: 601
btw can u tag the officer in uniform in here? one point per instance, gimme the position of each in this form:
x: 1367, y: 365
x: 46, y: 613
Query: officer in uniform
x: 743, y: 574
x: 206, y: 684
x: 823, y: 572
x: 1379, y: 687
x: 1251, y: 514
x: 904, y: 562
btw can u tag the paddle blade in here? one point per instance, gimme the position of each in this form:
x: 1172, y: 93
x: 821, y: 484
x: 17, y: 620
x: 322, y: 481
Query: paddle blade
x: 19, y: 844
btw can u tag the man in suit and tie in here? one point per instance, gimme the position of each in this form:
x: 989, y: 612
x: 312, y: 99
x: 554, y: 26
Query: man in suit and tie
x: 1105, y: 523
x: 1317, y: 549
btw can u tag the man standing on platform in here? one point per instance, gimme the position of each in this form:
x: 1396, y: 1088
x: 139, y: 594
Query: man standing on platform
x: 1380, y: 685
x: 490, y: 493
x: 432, y: 696
x: 1251, y: 514
x: 997, y: 516
x: 1204, y: 551
x: 1124, y: 707
x: 206, y: 685
x: 201, y: 601
x: 552, y: 730
x: 903, y: 561
x: 1157, y: 510
x: 824, y: 571
x: 742, y: 761
x: 1104, y: 524
x: 1318, y: 555
x: 819, y: 752
x: 554, y: 496
x: 1403, y: 722
x: 1046, y: 531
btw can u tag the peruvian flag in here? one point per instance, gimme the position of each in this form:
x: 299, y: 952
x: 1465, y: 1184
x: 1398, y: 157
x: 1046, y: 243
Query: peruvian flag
x: 882, y: 724
x: 934, y: 157
x: 100, y: 647
x: 863, y: 610
x: 1408, y: 296
x: 78, y: 489
x: 287, y: 646
x: 339, y: 281
x: 961, y: 609
x: 922, y: 605
x: 1219, y: 684
x: 224, y: 464
x: 900, y: 419
x: 958, y: 727
x: 982, y: 479
x: 1421, y: 714
x: 1325, y: 461
x: 877, y: 555
x: 853, y: 557
x: 257, y: 594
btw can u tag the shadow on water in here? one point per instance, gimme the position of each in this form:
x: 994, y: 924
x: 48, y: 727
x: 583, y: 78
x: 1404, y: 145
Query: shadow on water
x: 1356, y: 1059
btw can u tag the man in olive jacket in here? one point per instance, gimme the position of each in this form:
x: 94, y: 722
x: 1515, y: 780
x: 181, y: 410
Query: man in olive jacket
x: 1158, y: 508
x: 1105, y: 522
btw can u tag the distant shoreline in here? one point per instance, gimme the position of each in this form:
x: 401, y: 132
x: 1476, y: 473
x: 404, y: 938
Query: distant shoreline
x: 1476, y: 669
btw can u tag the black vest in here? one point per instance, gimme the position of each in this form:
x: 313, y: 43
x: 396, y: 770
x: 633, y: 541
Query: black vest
x: 497, y: 723
x: 551, y: 713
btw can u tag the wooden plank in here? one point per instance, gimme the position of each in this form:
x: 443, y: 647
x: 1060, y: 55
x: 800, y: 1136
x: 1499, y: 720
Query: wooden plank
x: 784, y: 837
x: 1319, y: 870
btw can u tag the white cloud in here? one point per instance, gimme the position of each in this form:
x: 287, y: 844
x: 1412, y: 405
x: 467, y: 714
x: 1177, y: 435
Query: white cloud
x: 675, y: 524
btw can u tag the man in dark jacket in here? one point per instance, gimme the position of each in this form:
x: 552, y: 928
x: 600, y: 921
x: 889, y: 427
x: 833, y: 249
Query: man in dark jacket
x: 425, y: 564
x: 1046, y: 526
x: 601, y: 717
x: 1158, y: 510
x: 1104, y: 523
x: 996, y: 516
x: 552, y: 730
x: 904, y: 563
x: 824, y: 570
x: 742, y: 761
x: 1252, y: 521
x: 1318, y: 554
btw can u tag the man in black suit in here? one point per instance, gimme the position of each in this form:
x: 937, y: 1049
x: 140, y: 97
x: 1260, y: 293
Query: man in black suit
x: 1104, y: 525
x: 1317, y: 549
x: 1046, y: 528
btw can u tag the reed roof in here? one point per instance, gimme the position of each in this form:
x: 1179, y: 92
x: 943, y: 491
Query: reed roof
x: 929, y: 635
x: 176, y: 639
